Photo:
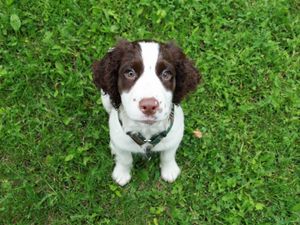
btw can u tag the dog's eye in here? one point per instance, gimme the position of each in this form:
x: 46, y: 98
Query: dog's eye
x: 166, y: 75
x: 130, y: 74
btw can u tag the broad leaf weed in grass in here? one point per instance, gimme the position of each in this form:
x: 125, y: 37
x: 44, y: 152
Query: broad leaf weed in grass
x: 55, y: 161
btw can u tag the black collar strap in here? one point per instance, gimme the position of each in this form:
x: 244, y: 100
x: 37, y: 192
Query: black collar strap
x: 155, y: 139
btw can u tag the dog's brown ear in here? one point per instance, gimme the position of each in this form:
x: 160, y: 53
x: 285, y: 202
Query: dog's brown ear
x: 105, y: 72
x: 187, y: 75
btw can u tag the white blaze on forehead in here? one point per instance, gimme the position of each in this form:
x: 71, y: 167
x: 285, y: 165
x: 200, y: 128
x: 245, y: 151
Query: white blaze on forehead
x: 148, y: 85
x: 149, y: 52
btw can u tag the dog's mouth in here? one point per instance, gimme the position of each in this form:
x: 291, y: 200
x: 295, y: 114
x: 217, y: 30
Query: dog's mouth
x: 152, y: 119
x: 141, y: 118
x: 148, y: 120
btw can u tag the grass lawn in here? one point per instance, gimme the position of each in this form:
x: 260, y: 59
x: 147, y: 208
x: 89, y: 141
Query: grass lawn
x: 55, y: 163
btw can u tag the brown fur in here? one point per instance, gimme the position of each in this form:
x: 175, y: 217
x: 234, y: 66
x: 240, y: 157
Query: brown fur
x: 125, y: 84
x: 162, y: 65
x: 107, y: 71
x: 187, y: 76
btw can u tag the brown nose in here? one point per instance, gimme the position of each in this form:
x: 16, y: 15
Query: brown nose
x: 148, y: 106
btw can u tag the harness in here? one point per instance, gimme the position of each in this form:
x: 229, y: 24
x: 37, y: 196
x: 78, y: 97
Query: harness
x: 139, y: 139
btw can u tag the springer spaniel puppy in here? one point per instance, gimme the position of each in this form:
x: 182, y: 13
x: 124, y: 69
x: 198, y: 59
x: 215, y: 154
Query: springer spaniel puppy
x: 142, y: 84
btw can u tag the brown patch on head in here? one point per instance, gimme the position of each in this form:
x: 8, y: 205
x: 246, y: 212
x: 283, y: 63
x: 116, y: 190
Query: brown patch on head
x: 186, y: 75
x: 164, y: 67
x: 113, y: 74
x: 133, y: 65
x: 109, y: 71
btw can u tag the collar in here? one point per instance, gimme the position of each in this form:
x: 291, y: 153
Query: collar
x: 138, y: 138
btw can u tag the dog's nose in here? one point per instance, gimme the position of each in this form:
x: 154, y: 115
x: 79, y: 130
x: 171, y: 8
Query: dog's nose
x: 148, y: 106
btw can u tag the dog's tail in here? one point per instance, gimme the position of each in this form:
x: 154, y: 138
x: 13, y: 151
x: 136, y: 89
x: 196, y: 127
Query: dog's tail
x: 106, y: 102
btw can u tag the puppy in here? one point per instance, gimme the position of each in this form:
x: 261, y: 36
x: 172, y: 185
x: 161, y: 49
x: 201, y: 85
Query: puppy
x: 142, y: 84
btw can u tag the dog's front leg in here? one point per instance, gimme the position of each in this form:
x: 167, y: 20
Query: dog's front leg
x: 121, y: 173
x: 168, y: 165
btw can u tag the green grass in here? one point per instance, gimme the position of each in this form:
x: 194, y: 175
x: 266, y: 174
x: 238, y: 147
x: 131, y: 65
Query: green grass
x: 55, y: 163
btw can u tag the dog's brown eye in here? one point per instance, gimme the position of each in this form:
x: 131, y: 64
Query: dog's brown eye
x: 166, y: 75
x: 130, y: 74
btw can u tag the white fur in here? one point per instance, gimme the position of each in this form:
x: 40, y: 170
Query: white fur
x: 106, y: 102
x: 122, y: 145
x: 147, y: 86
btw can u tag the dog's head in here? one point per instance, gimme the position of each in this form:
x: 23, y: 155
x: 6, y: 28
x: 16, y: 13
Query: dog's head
x: 146, y: 78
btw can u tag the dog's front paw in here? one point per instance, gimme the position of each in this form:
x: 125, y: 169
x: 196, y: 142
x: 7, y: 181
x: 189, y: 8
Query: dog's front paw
x: 170, y: 171
x: 121, y: 175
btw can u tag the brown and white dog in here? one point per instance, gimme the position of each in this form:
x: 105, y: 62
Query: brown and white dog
x: 142, y: 84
